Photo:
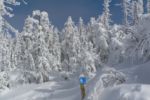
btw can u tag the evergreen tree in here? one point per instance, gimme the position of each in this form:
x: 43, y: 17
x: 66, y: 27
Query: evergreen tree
x: 148, y: 6
x: 135, y: 12
x: 126, y: 11
x: 87, y: 55
x: 5, y: 42
x: 98, y: 36
x: 140, y: 7
x: 106, y: 13
x: 70, y: 44
x: 38, y: 48
x: 57, y: 50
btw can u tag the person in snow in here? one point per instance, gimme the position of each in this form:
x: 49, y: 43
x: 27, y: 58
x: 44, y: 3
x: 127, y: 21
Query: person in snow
x: 83, y: 81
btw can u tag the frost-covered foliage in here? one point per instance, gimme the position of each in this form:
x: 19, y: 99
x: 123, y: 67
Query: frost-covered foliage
x: 108, y: 77
x: 137, y: 10
x: 87, y: 56
x: 141, y: 6
x: 148, y: 6
x: 116, y: 46
x: 132, y: 10
x: 6, y: 47
x: 136, y: 34
x: 5, y: 10
x: 38, y: 49
x: 111, y: 77
x: 125, y: 11
x: 77, y: 51
x: 41, y: 49
x: 137, y: 41
x: 98, y: 36
x: 6, y: 61
x: 4, y: 80
x: 70, y: 46
x: 106, y: 13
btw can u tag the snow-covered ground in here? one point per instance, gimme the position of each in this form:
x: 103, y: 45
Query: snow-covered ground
x: 136, y: 88
x: 66, y: 90
x: 126, y: 92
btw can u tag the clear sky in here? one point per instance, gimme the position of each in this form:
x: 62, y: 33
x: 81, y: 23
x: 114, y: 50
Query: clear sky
x: 59, y: 10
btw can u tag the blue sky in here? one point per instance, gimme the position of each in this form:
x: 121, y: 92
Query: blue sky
x: 59, y: 10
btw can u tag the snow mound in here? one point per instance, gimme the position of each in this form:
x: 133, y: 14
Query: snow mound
x: 142, y: 73
x: 107, y: 77
x: 137, y: 73
x: 126, y: 92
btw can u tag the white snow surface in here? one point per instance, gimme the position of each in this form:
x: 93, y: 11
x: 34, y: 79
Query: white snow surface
x: 66, y: 90
x: 136, y: 88
x: 126, y: 92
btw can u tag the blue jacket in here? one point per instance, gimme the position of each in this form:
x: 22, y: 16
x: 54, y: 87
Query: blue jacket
x: 83, y: 80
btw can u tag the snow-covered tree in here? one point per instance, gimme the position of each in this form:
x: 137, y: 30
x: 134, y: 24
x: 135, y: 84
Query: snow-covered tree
x: 6, y: 60
x: 91, y: 29
x: 125, y: 12
x: 82, y: 31
x: 69, y: 46
x: 51, y: 38
x: 56, y: 50
x: 132, y: 10
x: 126, y: 5
x: 37, y: 48
x: 116, y: 46
x: 98, y: 36
x: 140, y: 7
x: 5, y: 10
x: 135, y: 12
x: 87, y: 59
x: 148, y: 6
x: 137, y: 42
x: 4, y: 80
x: 6, y: 64
x: 106, y: 13
x: 23, y: 46
x: 87, y: 54
x: 77, y: 51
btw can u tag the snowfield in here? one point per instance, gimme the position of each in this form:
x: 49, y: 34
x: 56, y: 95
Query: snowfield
x: 136, y: 87
x: 126, y: 92
x: 47, y: 91
x: 133, y: 89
